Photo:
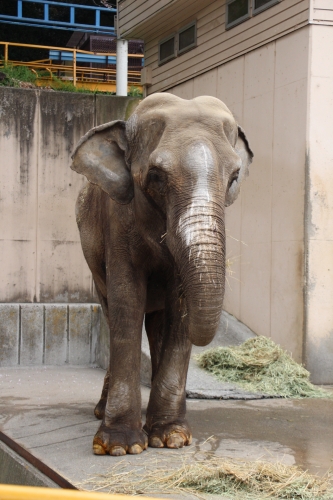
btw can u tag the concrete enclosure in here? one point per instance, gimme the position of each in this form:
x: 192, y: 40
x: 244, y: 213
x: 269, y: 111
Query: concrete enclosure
x: 48, y: 310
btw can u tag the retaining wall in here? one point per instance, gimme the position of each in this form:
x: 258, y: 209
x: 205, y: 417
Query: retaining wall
x: 45, y: 283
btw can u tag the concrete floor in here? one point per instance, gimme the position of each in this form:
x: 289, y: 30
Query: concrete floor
x: 49, y: 410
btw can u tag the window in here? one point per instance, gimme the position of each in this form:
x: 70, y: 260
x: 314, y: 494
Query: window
x: 237, y: 12
x: 260, y: 5
x: 187, y: 38
x: 167, y: 49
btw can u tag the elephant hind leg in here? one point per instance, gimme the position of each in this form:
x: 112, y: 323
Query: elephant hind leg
x: 99, y: 280
x: 100, y: 407
x: 155, y: 327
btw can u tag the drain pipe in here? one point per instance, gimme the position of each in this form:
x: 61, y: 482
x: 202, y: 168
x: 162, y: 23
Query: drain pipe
x: 122, y: 66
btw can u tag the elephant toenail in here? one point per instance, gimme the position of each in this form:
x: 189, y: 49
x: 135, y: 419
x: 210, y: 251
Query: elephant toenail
x: 135, y: 449
x: 117, y: 451
x: 175, y: 441
x: 155, y: 442
x: 98, y: 449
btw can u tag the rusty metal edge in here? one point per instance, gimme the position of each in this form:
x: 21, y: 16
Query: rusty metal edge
x: 36, y: 462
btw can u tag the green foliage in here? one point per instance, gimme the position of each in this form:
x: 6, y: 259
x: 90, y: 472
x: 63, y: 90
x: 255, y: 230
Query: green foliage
x: 16, y: 74
x: 259, y: 365
x: 66, y: 86
x: 135, y: 92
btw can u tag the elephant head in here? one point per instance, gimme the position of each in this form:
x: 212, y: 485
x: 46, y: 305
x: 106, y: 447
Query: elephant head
x: 184, y: 161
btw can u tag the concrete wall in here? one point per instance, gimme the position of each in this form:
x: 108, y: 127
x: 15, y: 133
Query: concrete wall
x: 40, y: 251
x: 319, y: 202
x: 267, y: 91
x: 48, y: 313
x: 49, y: 334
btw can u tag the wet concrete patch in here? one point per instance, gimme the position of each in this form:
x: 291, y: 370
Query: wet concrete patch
x: 49, y: 410
x: 302, y: 429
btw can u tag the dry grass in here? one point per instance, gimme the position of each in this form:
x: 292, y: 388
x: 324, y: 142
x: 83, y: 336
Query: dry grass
x: 204, y: 473
x: 259, y: 365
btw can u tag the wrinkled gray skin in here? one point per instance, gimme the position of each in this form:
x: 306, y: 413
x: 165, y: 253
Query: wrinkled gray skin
x: 151, y: 221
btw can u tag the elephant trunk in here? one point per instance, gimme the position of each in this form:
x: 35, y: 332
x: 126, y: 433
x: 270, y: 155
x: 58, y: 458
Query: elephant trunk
x: 201, y: 262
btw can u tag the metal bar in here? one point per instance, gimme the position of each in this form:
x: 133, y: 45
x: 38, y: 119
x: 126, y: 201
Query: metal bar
x: 98, y: 18
x: 59, y: 23
x: 23, y: 20
x: 38, y: 464
x: 103, y: 30
x: 72, y: 15
x: 63, y: 4
x: 78, y: 72
x: 79, y: 69
x: 32, y: 46
x: 74, y: 68
x: 11, y: 492
x: 19, y: 9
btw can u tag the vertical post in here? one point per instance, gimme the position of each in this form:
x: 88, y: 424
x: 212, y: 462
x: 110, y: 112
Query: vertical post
x: 74, y: 68
x: 72, y: 15
x: 122, y: 66
x: 98, y: 18
x: 46, y: 12
x: 6, y: 53
x: 19, y: 9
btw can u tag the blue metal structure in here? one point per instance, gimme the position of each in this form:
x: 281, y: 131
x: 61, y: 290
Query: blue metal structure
x: 59, y: 55
x: 71, y: 25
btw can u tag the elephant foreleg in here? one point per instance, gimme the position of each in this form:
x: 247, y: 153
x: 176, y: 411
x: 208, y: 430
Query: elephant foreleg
x: 121, y: 429
x: 165, y: 423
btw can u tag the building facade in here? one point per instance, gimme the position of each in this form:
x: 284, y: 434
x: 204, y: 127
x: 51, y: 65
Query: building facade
x: 271, y: 62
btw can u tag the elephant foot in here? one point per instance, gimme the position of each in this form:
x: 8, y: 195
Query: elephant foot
x: 100, y: 409
x: 170, y: 435
x: 119, y: 440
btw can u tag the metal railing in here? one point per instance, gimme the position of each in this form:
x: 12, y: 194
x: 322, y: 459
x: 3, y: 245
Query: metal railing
x: 72, y: 24
x: 11, y: 492
x: 73, y: 70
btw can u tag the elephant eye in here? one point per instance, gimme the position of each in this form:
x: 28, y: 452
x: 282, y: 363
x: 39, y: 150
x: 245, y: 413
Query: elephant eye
x: 233, y: 177
x: 154, y: 176
x: 156, y: 180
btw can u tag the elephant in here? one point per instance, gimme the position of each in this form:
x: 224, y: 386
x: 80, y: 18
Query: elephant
x: 152, y: 228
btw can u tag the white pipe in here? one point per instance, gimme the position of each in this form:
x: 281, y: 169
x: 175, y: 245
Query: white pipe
x: 122, y: 66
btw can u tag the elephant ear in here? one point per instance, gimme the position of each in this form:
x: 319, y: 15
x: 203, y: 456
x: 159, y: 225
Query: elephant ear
x: 100, y: 157
x: 245, y: 154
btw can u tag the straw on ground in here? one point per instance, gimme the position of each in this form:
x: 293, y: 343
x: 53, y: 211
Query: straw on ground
x: 209, y: 474
x: 261, y: 366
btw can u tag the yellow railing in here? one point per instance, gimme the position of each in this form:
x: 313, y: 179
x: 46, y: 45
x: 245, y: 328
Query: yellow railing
x: 9, y: 492
x: 71, y: 71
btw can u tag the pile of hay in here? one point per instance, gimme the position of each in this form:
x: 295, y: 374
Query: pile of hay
x: 259, y: 365
x: 214, y: 475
